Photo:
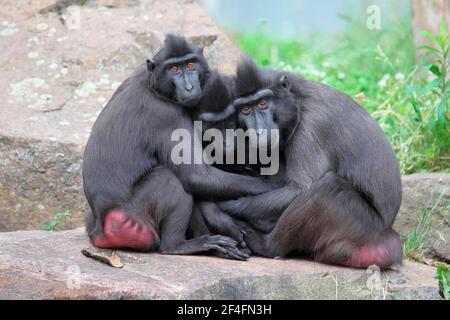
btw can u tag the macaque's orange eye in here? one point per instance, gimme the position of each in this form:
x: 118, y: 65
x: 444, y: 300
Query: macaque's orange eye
x: 246, y: 109
x: 173, y: 69
x: 262, y: 104
x: 190, y: 66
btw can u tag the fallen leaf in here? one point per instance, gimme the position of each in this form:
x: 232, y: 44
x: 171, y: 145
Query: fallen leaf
x: 111, y: 259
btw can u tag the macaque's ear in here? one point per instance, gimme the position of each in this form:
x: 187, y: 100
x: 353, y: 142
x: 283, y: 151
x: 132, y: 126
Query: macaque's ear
x: 285, y: 83
x: 150, y: 65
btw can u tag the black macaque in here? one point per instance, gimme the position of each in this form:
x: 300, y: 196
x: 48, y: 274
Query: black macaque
x: 343, y: 186
x: 139, y: 198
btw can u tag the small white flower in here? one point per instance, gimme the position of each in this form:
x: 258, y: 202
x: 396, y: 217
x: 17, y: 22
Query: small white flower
x: 382, y: 83
x: 399, y: 76
x: 341, y: 75
x: 317, y: 73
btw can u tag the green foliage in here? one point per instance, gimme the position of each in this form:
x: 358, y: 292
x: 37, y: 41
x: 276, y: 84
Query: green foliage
x: 443, y: 277
x: 439, y: 67
x: 416, y: 243
x: 57, y: 220
x: 377, y: 68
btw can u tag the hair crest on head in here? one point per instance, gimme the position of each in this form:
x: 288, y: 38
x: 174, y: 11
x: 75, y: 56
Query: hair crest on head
x: 249, y: 78
x: 174, y: 46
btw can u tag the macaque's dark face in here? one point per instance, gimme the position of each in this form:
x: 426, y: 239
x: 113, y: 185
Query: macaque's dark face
x: 256, y: 112
x: 185, y: 77
x: 180, y: 79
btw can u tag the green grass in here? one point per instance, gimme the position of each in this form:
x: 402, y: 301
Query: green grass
x: 58, y: 220
x: 443, y: 277
x: 417, y: 244
x: 378, y: 68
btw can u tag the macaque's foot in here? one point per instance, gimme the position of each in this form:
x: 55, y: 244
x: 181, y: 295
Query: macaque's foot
x: 225, y: 247
x: 256, y: 241
x: 246, y: 251
x: 122, y: 231
x: 225, y: 225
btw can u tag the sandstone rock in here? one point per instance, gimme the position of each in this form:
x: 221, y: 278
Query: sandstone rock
x: 51, y: 59
x: 38, y: 179
x: 49, y: 265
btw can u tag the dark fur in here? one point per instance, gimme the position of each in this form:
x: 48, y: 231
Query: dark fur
x: 127, y: 164
x: 343, y: 187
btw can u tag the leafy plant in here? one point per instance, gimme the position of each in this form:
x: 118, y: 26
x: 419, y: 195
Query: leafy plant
x: 58, y: 220
x: 443, y: 277
x: 439, y: 67
x: 429, y: 100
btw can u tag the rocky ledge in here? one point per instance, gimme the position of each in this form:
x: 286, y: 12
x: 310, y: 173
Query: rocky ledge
x: 49, y: 265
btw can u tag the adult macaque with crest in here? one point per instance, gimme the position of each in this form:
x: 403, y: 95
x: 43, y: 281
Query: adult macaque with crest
x: 343, y: 186
x: 139, y: 198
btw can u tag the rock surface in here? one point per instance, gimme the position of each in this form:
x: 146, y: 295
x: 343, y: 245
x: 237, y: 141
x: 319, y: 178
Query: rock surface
x: 60, y: 67
x: 49, y: 265
x: 60, y: 62
x: 422, y: 192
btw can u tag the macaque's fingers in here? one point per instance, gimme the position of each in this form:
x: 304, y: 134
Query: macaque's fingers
x: 229, y: 253
x: 221, y: 241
